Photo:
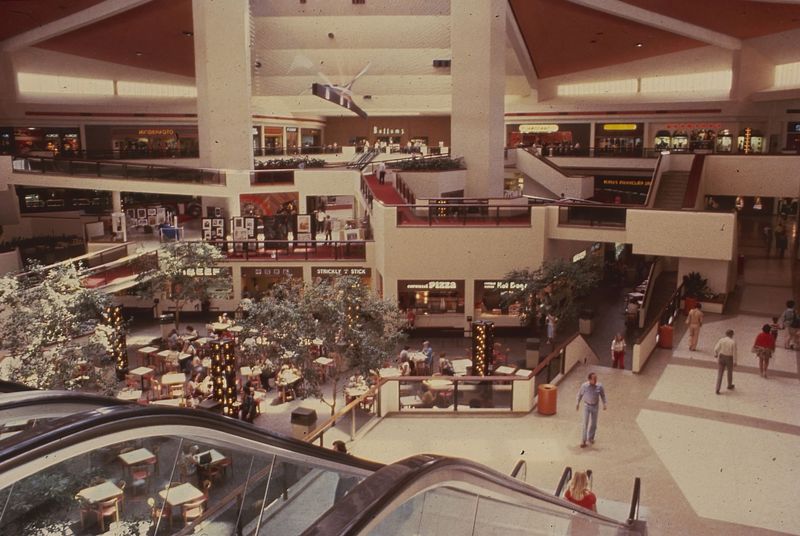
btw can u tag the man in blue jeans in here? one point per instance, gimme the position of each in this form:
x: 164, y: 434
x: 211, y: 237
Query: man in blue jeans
x: 591, y: 393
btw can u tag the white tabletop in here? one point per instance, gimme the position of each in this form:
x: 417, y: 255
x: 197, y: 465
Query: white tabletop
x: 173, y: 379
x: 356, y: 391
x: 416, y: 356
x: 137, y: 456
x: 130, y: 394
x: 178, y: 495
x: 389, y: 372
x: 176, y: 402
x: 438, y: 385
x: 288, y: 377
x: 235, y: 329
x: 101, y: 492
x: 216, y: 456
x: 317, y: 341
x: 202, y: 340
x: 505, y: 370
x: 147, y: 349
x: 166, y: 353
x: 219, y: 326
x: 323, y: 361
x: 141, y: 371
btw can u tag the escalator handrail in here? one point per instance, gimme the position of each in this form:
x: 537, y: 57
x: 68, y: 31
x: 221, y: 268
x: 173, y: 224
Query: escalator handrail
x: 392, y: 484
x: 566, y: 476
x: 33, y: 397
x: 13, y: 387
x: 58, y: 434
x: 521, y: 464
x: 637, y: 491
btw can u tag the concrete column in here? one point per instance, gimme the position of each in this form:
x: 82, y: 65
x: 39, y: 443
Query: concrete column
x: 116, y: 201
x: 8, y: 86
x: 752, y: 72
x: 233, y: 206
x: 477, y: 39
x: 224, y: 95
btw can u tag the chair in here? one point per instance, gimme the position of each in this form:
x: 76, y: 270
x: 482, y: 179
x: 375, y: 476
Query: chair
x: 176, y: 391
x: 109, y: 508
x: 140, y: 477
x: 132, y: 382
x: 155, y: 511
x: 193, y: 510
x: 86, y: 510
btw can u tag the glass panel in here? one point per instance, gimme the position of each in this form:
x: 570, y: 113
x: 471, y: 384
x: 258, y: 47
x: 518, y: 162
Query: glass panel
x: 441, y: 511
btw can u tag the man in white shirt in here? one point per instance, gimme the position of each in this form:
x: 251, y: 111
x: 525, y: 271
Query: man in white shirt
x: 381, y: 173
x: 725, y: 352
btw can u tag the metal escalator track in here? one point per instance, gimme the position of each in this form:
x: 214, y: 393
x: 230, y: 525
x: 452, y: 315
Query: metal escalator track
x: 435, y: 495
x: 162, y: 470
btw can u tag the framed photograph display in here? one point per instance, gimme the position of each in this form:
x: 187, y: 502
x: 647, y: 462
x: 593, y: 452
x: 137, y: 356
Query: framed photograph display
x: 303, y: 224
x: 238, y: 222
x: 218, y: 222
x: 240, y: 234
x: 131, y: 212
x: 206, y: 223
x: 207, y: 234
x: 141, y: 213
x: 151, y: 211
x: 351, y: 234
x: 219, y: 232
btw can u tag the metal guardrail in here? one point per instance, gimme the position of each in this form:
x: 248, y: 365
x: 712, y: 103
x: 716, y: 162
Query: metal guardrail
x: 279, y: 250
x: 481, y: 214
x: 117, y: 170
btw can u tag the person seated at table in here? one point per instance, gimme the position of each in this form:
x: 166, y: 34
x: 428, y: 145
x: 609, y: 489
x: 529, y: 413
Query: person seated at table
x: 405, y: 366
x: 428, y: 399
x: 191, y: 333
x: 196, y: 367
x: 187, y: 361
x: 403, y: 353
x: 267, y: 372
x: 195, y: 386
x: 249, y: 408
x: 428, y: 351
x: 446, y: 366
x: 173, y: 340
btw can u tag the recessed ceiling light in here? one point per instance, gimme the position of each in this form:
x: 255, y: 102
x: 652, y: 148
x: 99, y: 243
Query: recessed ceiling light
x: 139, y: 53
x: 187, y: 33
x: 639, y: 45
x: 593, y: 41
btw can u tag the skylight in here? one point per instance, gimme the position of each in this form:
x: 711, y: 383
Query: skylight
x: 611, y: 87
x: 787, y: 75
x: 145, y: 89
x: 706, y: 82
x: 63, y: 85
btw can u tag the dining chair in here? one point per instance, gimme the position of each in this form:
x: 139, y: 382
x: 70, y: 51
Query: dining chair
x: 176, y: 391
x: 193, y: 510
x: 155, y: 511
x: 132, y: 382
x: 140, y: 478
x: 106, y: 509
x: 86, y: 509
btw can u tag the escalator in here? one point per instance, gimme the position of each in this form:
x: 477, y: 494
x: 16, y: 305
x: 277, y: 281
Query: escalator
x: 130, y: 469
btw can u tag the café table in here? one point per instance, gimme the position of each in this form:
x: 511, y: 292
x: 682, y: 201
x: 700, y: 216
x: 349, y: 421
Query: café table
x: 101, y: 492
x: 439, y: 387
x: 130, y: 394
x: 141, y: 372
x: 461, y: 366
x: 202, y: 341
x: 324, y: 363
x: 416, y: 357
x: 285, y: 381
x: 137, y: 457
x: 504, y: 370
x: 389, y: 372
x: 148, y: 352
x: 235, y: 329
x: 217, y: 458
x: 175, y: 496
x: 219, y: 327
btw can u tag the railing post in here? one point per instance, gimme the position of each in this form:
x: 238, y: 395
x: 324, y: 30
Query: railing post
x: 353, y: 424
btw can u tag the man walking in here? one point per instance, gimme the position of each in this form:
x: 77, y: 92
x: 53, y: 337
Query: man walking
x: 381, y: 173
x: 694, y: 320
x: 591, y: 393
x: 725, y: 352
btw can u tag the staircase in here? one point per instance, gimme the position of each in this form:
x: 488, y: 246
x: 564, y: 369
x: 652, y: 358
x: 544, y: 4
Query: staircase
x: 671, y: 190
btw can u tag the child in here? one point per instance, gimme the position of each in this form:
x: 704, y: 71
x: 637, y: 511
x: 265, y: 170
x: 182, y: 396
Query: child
x: 774, y: 327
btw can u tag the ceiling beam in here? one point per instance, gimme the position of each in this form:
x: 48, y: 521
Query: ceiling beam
x: 795, y: 2
x: 520, y: 48
x: 70, y: 23
x: 662, y: 22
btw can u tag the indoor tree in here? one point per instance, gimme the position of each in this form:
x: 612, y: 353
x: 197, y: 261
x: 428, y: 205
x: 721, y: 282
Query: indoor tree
x: 556, y: 287
x: 183, y: 274
x: 48, y: 324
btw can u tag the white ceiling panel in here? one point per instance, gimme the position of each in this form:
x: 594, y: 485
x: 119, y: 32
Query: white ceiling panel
x: 316, y: 8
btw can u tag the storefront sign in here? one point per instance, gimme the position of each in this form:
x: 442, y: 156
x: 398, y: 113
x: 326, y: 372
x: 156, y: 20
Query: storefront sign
x: 388, y: 131
x: 207, y: 272
x: 156, y: 132
x: 538, y: 129
x: 620, y: 126
x: 339, y: 271
x: 503, y: 285
x: 626, y: 182
x: 288, y: 272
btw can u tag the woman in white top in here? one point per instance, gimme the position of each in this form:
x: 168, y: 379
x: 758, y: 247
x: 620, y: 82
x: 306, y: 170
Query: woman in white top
x: 618, y: 351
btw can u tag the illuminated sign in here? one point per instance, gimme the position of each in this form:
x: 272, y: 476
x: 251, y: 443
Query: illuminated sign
x: 503, y: 285
x: 330, y: 272
x: 620, y: 126
x: 626, y: 182
x: 579, y: 256
x: 388, y: 131
x: 537, y: 129
x: 156, y: 132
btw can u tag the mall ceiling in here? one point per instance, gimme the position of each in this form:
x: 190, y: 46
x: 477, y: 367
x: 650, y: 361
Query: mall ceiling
x: 294, y: 42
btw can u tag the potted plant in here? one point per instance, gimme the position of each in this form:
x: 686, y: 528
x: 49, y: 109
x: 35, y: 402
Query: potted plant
x: 695, y: 287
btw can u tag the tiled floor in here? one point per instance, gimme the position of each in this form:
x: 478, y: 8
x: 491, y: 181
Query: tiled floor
x: 710, y: 464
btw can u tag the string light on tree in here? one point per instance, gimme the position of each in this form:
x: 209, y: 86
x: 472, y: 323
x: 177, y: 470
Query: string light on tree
x: 223, y: 375
x: 117, y: 339
x: 482, y: 347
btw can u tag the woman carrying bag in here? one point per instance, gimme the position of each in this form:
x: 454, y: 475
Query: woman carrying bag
x: 764, y: 347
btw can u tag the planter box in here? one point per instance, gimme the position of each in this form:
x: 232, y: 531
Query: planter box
x: 707, y: 306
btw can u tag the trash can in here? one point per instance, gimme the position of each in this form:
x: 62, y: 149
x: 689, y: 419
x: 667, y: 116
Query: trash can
x: 303, y: 422
x: 665, y: 336
x: 586, y: 321
x: 167, y: 322
x: 548, y: 399
x: 532, y: 346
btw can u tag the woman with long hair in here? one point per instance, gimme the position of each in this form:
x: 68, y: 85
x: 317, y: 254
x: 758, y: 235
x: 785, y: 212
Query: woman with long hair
x: 763, y: 347
x: 579, y: 492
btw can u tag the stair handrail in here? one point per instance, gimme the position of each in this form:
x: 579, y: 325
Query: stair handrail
x: 654, y: 183
x: 648, y: 291
x: 553, y: 165
x: 637, y: 492
x: 520, y: 467
x: 693, y: 185
x: 566, y: 476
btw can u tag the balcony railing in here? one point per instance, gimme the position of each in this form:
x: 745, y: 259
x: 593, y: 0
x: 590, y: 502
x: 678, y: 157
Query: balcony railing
x: 117, y: 170
x: 288, y: 250
x: 464, y: 215
x: 593, y: 215
x: 272, y: 176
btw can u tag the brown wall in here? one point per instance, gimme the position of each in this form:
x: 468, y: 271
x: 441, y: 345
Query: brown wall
x: 344, y: 129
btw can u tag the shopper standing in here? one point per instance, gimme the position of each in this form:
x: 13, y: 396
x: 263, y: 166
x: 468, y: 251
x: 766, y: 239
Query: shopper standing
x: 618, y: 351
x: 591, y: 393
x: 763, y: 347
x: 694, y: 320
x: 725, y: 352
x: 579, y: 492
x: 552, y: 324
x: 781, y: 241
x: 381, y: 173
x: 791, y: 322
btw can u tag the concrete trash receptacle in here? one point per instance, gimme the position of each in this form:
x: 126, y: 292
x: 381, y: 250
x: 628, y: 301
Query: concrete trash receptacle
x: 548, y: 399
x: 303, y: 422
